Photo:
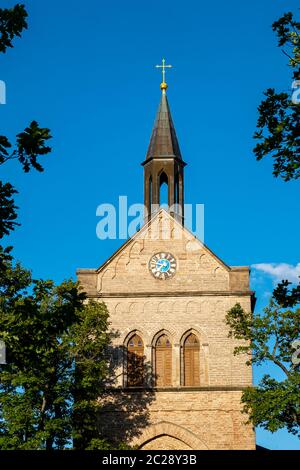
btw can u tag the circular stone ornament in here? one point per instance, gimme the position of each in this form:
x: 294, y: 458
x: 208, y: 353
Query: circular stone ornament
x: 162, y: 265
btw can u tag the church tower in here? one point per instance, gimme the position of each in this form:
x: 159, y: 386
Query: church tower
x: 164, y: 164
x: 175, y: 383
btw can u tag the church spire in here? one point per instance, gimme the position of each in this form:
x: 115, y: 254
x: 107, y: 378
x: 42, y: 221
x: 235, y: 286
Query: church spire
x: 163, y: 142
x: 163, y: 163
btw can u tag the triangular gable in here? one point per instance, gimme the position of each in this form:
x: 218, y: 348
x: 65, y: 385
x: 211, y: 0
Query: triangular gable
x: 146, y: 226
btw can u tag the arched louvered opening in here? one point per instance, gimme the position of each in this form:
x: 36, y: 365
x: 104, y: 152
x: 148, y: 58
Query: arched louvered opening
x: 177, y: 189
x: 163, y: 362
x: 135, y: 361
x: 150, y: 193
x: 191, y: 364
x: 163, y: 189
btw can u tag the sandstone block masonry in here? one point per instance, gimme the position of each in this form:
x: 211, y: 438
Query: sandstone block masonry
x: 194, y: 300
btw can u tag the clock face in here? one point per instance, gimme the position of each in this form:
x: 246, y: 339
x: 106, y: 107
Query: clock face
x: 162, y: 265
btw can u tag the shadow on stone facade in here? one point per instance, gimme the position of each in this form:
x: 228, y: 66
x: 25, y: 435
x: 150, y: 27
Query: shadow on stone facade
x: 124, y: 411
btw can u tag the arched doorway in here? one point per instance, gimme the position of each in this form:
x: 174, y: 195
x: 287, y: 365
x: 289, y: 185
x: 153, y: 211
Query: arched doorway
x: 165, y: 442
x: 163, y: 362
x: 135, y: 361
x: 168, y: 436
x: 191, y: 349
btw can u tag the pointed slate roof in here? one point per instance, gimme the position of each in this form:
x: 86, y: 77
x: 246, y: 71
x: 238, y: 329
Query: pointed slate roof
x: 163, y: 142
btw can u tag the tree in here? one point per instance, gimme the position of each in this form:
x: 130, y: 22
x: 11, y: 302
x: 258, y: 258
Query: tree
x: 55, y: 366
x: 272, y: 337
x: 12, y: 23
x: 8, y: 209
x: 30, y: 142
x: 90, y: 341
x: 30, y: 145
x: 278, y: 125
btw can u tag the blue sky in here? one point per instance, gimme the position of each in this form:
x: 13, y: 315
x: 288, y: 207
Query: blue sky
x: 86, y: 71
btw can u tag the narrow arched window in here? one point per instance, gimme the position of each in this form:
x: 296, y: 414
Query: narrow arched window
x: 191, y: 349
x: 135, y: 361
x: 163, y: 362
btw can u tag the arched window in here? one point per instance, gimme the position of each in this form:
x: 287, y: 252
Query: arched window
x: 135, y: 361
x: 191, y: 350
x: 163, y: 362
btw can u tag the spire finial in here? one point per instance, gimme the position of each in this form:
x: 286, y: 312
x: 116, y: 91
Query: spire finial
x: 163, y: 85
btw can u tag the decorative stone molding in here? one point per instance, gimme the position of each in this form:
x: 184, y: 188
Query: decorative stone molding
x: 165, y: 428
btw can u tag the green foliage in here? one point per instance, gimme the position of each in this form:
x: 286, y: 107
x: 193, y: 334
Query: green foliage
x: 288, y: 34
x: 278, y: 131
x: 286, y: 296
x: 14, y: 279
x: 102, y: 444
x: 4, y: 146
x: 35, y: 387
x: 55, y: 366
x: 275, y: 405
x: 267, y: 337
x: 31, y: 143
x: 90, y: 339
x: 8, y: 213
x: 12, y: 23
x: 278, y: 125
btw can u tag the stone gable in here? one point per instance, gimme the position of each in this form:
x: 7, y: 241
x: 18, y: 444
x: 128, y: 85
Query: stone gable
x: 198, y: 269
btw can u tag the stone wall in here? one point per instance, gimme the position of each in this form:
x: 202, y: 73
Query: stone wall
x: 202, y: 315
x: 181, y: 419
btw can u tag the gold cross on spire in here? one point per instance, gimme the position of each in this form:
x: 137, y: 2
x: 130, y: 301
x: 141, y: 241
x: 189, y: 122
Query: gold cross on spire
x: 163, y: 85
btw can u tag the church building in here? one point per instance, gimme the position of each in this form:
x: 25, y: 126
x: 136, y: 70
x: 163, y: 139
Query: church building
x: 175, y: 382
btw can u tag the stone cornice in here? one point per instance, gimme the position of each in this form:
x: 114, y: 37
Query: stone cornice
x: 97, y: 295
x: 176, y: 389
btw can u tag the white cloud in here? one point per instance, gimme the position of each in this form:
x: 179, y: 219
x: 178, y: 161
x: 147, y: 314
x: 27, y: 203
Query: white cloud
x: 280, y: 271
